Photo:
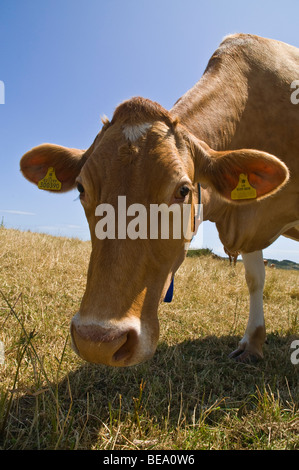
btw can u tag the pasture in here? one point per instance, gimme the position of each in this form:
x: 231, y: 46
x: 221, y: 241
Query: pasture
x: 188, y: 396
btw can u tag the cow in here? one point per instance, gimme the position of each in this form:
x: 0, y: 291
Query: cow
x: 236, y: 134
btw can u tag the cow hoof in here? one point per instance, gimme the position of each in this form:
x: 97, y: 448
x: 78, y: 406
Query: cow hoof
x: 244, y: 356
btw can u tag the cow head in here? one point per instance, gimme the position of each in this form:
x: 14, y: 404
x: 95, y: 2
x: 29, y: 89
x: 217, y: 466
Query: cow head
x: 143, y: 157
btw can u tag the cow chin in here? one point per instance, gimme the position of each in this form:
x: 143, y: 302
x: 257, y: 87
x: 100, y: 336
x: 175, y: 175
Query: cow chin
x: 118, y: 344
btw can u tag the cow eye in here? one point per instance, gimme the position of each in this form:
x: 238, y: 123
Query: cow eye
x: 80, y: 188
x: 181, y: 193
x: 184, y: 190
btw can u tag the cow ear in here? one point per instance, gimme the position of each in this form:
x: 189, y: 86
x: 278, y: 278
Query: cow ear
x: 61, y: 163
x: 239, y: 175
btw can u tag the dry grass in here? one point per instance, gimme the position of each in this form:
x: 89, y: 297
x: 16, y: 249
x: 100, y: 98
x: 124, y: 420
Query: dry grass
x: 189, y: 396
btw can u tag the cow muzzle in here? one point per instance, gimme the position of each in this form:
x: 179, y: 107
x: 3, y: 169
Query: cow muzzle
x: 118, y: 346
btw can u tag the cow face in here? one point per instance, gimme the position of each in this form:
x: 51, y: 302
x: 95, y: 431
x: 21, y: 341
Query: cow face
x: 140, y: 161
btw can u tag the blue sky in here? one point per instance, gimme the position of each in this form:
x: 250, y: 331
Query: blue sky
x: 66, y: 63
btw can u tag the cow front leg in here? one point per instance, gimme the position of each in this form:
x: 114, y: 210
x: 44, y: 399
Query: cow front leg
x: 251, y: 345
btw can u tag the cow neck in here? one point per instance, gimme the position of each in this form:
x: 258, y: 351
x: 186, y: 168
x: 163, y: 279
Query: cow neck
x: 212, y: 109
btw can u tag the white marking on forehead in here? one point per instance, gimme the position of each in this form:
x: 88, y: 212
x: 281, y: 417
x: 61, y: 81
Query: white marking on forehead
x: 134, y: 132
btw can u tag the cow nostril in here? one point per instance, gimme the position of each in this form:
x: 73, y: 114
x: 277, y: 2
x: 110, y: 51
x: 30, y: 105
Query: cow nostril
x: 127, y: 349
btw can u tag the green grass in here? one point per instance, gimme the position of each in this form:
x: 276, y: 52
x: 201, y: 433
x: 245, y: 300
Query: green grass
x: 189, y: 396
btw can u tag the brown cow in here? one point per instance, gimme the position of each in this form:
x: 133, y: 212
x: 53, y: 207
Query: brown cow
x: 152, y: 156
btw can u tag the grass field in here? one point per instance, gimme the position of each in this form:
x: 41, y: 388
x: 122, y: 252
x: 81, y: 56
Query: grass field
x: 189, y: 396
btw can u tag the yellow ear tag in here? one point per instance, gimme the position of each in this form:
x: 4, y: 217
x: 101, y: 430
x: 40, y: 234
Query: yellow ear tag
x: 50, y: 182
x: 243, y: 189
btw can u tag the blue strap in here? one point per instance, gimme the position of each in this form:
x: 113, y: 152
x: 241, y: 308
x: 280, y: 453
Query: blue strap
x: 169, y: 293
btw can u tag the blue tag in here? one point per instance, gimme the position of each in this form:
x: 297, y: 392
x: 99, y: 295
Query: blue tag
x: 169, y: 293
